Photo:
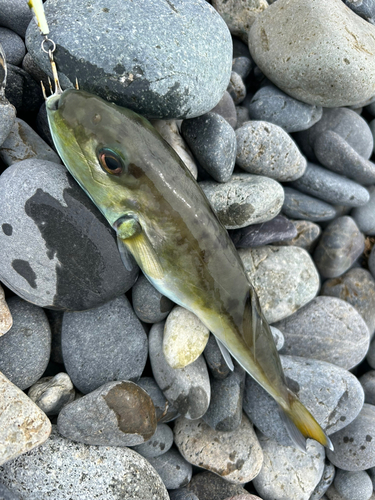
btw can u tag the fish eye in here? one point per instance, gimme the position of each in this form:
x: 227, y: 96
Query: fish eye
x: 110, y: 161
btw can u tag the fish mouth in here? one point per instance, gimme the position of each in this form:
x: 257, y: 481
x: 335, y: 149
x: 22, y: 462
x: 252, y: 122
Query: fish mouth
x: 53, y: 102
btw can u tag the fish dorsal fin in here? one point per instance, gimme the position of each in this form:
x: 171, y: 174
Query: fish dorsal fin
x: 225, y: 353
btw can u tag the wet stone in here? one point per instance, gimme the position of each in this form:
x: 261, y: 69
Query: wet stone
x: 236, y: 88
x: 339, y: 247
x: 284, y: 278
x: 307, y: 237
x: 173, y: 469
x: 13, y: 46
x: 213, y: 142
x: 15, y: 15
x: 277, y: 229
x: 61, y: 468
x: 31, y: 67
x: 51, y: 394
x: 158, y: 444
x: 225, y: 410
x: 149, y: 304
x: 333, y: 395
x: 26, y: 425
x: 356, y: 485
x: 187, y: 389
x: 365, y: 216
x: 325, y: 481
x: 210, y: 486
x: 6, y: 320
x: 103, y: 344
x: 266, y: 149
x: 182, y: 494
x: 329, y: 329
x: 245, y: 199
x: 25, y: 349
x: 22, y: 90
x: 354, y: 446
x: 368, y: 383
x: 242, y: 65
x: 298, y: 205
x: 7, y: 118
x: 357, y: 287
x: 272, y: 105
x: 242, y: 116
x: 236, y: 455
x: 165, y: 412
x: 287, y: 472
x: 226, y: 108
x: 214, y: 359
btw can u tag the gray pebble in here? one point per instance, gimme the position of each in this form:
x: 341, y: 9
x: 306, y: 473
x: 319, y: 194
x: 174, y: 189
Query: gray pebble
x: 242, y: 116
x: 242, y: 65
x: 210, y: 486
x: 370, y: 358
x: 236, y: 88
x: 266, y: 149
x: 22, y: 91
x: 339, y: 247
x: 368, y: 383
x: 301, y: 206
x: 213, y: 142
x: 357, y: 287
x: 61, y: 470
x: 51, y: 394
x: 307, y: 237
x: 188, y: 389
x: 158, y: 444
x: 354, y: 446
x: 272, y: 105
x: 325, y: 481
x: 214, y: 359
x: 165, y: 411
x: 15, y: 15
x: 363, y: 8
x: 225, y: 410
x: 173, y: 469
x: 278, y: 337
x: 7, y: 118
x: 149, y: 305
x: 329, y: 329
x: 353, y: 485
x: 32, y: 68
x: 330, y: 187
x: 6, y: 494
x: 365, y: 216
x: 182, y: 494
x: 25, y: 348
x: 371, y: 262
x: 103, y: 344
x: 13, y: 46
x: 226, y: 108
x: 245, y: 199
x: 371, y: 108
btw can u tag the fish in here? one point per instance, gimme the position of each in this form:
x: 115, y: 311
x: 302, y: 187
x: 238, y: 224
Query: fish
x: 164, y: 221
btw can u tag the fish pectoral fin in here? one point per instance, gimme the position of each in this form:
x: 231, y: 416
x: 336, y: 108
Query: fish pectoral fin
x: 126, y: 256
x: 146, y: 256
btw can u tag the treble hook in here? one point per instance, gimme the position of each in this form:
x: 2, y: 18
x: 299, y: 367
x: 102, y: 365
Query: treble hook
x: 50, y: 51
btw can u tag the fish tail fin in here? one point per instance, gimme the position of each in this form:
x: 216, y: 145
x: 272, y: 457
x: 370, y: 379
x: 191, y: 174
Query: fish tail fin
x: 300, y: 424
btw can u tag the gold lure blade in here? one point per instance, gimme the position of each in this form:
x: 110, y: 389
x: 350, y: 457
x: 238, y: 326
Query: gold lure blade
x: 38, y: 9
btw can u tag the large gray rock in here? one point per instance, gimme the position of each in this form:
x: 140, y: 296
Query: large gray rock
x: 15, y: 15
x: 161, y: 59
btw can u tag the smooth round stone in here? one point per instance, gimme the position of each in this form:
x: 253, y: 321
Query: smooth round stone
x: 325, y: 481
x: 277, y: 229
x: 210, y: 486
x: 288, y: 470
x: 245, y: 199
x: 165, y: 412
x: 31, y: 67
x: 6, y: 494
x: 213, y: 143
x: 116, y: 414
x: 173, y: 469
x: 158, y: 444
x: 284, y: 278
x: 242, y: 116
x: 308, y: 235
x: 353, y: 485
x: 185, y: 338
x: 214, y: 359
x: 301, y: 206
x: 23, y: 143
x: 365, y: 216
x: 319, y: 58
x: 242, y: 65
x: 329, y: 329
x: 47, y: 216
x: 25, y: 349
x: 188, y: 389
x: 149, y: 304
x: 272, y: 105
x: 235, y: 456
x: 24, y: 425
x: 6, y: 320
x: 226, y: 108
x: 330, y: 187
x: 236, y: 88
x: 180, y: 68
x: 15, y: 15
x: 225, y: 410
x: 357, y: 287
x: 278, y: 337
x: 60, y: 469
x: 339, y: 247
x: 7, y: 118
x: 22, y: 90
x: 368, y: 383
x: 333, y: 396
x: 13, y: 46
x: 103, y: 344
x: 266, y: 149
x: 51, y: 394
x: 182, y: 494
x: 363, y: 8
x: 354, y: 446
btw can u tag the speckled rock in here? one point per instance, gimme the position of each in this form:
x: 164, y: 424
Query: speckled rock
x: 185, y: 337
x: 103, y: 344
x: 25, y: 349
x: 236, y: 88
x: 149, y: 304
x: 165, y: 411
x: 246, y: 496
x: 364, y: 215
x: 307, y: 237
x: 214, y: 359
x: 299, y: 205
x: 209, y: 486
x: 287, y: 472
x: 352, y: 485
x: 45, y: 217
x: 235, y: 456
x: 182, y: 494
x: 15, y: 15
x: 245, y: 199
x: 60, y: 467
x: 355, y: 444
x: 6, y: 494
x: 329, y: 329
x: 226, y: 108
x: 299, y: 58
x: 24, y: 425
x: 188, y: 389
x: 368, y: 383
x: 13, y: 46
x: 325, y: 481
x: 155, y: 76
x: 158, y: 444
x: 242, y: 116
x: 173, y: 469
x: 339, y: 247
x: 333, y: 395
x: 22, y: 90
x: 284, y: 278
x: 243, y: 65
x: 52, y: 393
x: 7, y: 118
x: 6, y: 320
x: 266, y: 149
